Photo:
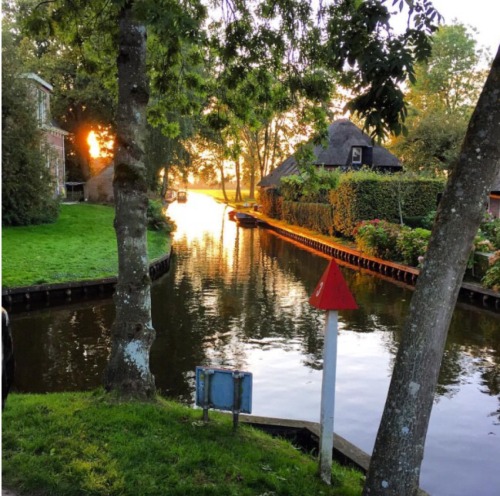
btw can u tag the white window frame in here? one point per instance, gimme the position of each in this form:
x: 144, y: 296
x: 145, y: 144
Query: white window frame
x: 358, y: 150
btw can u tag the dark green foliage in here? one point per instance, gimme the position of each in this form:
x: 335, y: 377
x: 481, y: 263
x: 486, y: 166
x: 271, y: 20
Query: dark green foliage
x: 157, y: 220
x: 412, y: 244
x: 373, y: 62
x: 312, y: 185
x: 315, y: 216
x: 366, y: 195
x: 272, y: 203
x: 490, y: 229
x: 492, y: 277
x: 27, y: 189
x: 389, y: 241
x: 377, y: 238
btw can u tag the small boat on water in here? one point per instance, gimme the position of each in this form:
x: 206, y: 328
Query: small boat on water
x: 245, y: 220
x: 181, y: 196
x: 170, y: 196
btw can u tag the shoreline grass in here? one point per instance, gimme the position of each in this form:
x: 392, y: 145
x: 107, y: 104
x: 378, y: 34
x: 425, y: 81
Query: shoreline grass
x: 80, y: 245
x: 219, y: 196
x: 88, y: 443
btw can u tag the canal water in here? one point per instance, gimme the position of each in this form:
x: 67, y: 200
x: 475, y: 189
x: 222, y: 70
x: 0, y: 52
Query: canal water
x: 238, y: 298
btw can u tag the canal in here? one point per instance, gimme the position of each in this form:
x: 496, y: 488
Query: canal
x: 238, y: 298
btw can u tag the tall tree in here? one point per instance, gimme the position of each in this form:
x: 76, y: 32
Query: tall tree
x: 399, y: 447
x: 27, y: 185
x: 441, y: 101
x: 132, y: 332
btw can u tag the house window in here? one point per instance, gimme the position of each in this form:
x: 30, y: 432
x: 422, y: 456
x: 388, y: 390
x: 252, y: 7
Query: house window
x: 356, y: 155
x: 42, y: 106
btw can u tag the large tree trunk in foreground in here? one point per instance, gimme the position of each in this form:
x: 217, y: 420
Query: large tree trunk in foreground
x: 132, y: 332
x: 399, y: 447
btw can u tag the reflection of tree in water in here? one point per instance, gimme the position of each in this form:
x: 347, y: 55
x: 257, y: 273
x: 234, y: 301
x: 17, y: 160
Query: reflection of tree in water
x: 66, y: 348
x: 383, y: 306
x: 477, y: 333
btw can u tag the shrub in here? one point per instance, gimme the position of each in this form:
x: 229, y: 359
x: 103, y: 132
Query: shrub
x: 490, y: 230
x: 271, y: 202
x: 157, y: 220
x: 315, y: 216
x: 492, y: 277
x: 377, y: 238
x: 412, y: 244
x: 428, y: 220
x: 365, y: 195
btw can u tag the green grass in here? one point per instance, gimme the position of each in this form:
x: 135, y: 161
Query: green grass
x: 219, y: 196
x: 86, y: 443
x: 81, y: 245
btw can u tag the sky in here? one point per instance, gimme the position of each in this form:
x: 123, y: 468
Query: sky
x: 481, y: 14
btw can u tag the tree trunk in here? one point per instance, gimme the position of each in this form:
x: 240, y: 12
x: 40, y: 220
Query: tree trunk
x: 399, y: 447
x: 223, y: 181
x: 132, y: 332
x: 237, y: 168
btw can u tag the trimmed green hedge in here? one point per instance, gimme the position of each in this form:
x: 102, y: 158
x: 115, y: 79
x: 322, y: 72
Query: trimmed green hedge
x: 315, y: 216
x: 271, y: 202
x: 368, y: 195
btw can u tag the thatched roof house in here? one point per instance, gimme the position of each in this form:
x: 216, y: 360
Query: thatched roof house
x: 348, y: 148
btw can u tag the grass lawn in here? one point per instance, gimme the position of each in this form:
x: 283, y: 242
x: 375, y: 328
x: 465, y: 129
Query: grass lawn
x: 219, y: 196
x: 80, y: 245
x: 71, y: 444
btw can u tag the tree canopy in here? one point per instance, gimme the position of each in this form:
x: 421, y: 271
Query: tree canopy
x: 441, y: 101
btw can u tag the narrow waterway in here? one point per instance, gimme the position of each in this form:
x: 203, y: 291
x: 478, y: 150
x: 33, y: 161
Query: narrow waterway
x: 238, y: 298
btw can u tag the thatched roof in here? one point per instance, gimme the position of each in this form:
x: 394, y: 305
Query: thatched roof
x: 343, y: 135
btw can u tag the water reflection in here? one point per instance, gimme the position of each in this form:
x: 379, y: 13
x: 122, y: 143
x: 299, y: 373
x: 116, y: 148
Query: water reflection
x: 239, y: 298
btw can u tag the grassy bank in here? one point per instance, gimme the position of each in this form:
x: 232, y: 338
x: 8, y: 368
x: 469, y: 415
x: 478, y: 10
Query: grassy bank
x: 219, y: 196
x: 80, y: 245
x: 82, y: 443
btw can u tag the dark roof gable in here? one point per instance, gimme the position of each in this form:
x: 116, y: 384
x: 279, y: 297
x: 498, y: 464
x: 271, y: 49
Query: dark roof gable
x: 343, y: 135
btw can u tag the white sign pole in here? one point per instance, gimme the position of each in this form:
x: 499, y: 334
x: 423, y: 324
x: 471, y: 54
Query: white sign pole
x: 328, y: 396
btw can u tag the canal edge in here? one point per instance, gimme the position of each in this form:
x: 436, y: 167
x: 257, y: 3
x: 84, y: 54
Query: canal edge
x: 70, y: 292
x: 305, y: 432
x: 469, y: 292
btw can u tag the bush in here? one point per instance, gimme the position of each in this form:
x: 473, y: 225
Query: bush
x: 492, y: 277
x: 412, y: 244
x: 389, y: 241
x: 490, y: 230
x: 366, y: 195
x: 315, y: 216
x: 271, y: 202
x: 157, y: 220
x: 378, y: 238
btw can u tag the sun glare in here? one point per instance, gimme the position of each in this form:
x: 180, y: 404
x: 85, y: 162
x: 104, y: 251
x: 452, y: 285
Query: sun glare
x: 94, y: 148
x: 100, y: 143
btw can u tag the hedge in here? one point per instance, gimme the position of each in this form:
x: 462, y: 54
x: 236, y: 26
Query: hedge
x: 368, y: 195
x: 271, y: 202
x: 315, y: 216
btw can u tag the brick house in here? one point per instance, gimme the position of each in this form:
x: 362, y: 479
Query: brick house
x: 54, y: 135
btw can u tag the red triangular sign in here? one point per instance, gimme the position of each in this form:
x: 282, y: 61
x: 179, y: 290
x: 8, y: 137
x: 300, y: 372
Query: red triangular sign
x: 332, y: 292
